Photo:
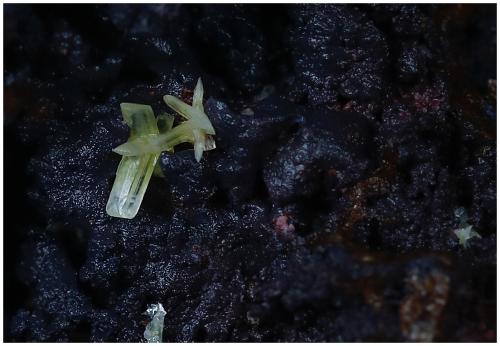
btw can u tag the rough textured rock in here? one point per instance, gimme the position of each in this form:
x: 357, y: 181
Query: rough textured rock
x: 347, y: 136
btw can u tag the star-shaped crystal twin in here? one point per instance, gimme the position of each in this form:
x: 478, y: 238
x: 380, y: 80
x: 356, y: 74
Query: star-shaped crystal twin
x: 197, y: 130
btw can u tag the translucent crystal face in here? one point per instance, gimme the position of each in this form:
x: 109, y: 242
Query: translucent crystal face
x: 154, y: 329
x: 132, y: 178
x: 134, y: 172
x: 148, y: 138
x: 465, y: 232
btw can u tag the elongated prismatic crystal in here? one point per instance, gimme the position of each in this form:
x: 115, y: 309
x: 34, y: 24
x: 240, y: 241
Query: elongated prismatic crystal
x: 134, y: 172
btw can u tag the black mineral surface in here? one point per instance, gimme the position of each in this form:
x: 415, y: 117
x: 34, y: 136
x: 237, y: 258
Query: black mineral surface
x: 348, y: 139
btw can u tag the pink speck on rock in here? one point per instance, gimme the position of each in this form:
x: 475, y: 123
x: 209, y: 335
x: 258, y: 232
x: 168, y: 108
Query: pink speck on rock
x: 282, y: 225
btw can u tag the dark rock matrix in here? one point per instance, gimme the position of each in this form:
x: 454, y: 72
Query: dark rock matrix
x: 348, y: 136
